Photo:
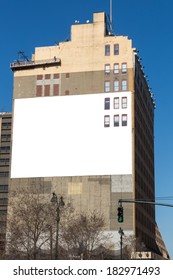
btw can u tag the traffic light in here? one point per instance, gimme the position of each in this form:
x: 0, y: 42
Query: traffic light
x: 120, y: 214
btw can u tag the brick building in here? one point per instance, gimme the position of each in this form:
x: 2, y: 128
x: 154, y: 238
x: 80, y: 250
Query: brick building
x: 5, y: 154
x: 83, y: 127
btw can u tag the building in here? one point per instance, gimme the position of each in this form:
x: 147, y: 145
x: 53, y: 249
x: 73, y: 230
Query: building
x: 5, y: 154
x: 86, y: 115
x: 161, y: 244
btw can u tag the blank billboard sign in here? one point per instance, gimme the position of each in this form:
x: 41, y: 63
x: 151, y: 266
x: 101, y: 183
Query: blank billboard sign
x: 72, y: 136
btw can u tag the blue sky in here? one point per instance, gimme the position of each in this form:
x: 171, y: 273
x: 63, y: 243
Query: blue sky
x: 25, y: 25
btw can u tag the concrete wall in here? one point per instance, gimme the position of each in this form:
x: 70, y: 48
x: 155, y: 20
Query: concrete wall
x: 88, y: 193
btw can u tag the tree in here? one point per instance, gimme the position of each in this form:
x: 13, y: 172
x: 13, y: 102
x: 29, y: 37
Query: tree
x: 84, y: 235
x: 132, y: 245
x: 31, y: 225
x: 32, y: 229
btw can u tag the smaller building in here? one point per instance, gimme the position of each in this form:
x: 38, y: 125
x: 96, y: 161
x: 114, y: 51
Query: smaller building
x: 5, y: 150
x: 148, y: 255
x: 161, y: 245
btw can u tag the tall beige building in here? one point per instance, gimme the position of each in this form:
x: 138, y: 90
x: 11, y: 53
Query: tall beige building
x: 83, y: 126
x: 5, y: 154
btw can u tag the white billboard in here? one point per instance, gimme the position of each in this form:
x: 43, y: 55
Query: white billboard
x: 66, y: 136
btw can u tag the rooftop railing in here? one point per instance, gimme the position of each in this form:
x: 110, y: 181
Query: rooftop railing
x: 29, y: 64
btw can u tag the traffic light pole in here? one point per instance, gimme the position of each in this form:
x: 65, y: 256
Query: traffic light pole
x: 144, y: 202
x: 120, y: 215
x: 121, y: 232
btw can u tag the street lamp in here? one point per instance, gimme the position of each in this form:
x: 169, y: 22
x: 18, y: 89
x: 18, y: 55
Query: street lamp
x: 121, y: 233
x: 59, y: 204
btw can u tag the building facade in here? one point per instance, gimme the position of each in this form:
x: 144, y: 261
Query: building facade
x: 5, y: 154
x: 86, y: 115
x: 161, y: 244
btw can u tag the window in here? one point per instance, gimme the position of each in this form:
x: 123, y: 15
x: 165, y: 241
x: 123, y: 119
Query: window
x: 47, y: 77
x: 116, y: 103
x: 6, y: 135
x: 5, y: 149
x: 116, y: 68
x: 3, y: 187
x: 4, y: 174
x: 124, y: 68
x: 107, y: 69
x: 6, y: 138
x: 116, y: 120
x: 3, y: 212
x: 3, y: 201
x: 6, y: 124
x: 4, y: 161
x: 124, y: 85
x: 56, y: 76
x: 39, y: 90
x: 107, y: 50
x: 116, y: 49
x: 107, y: 86
x: 124, y: 102
x: 6, y: 119
x: 55, y: 89
x: 124, y: 120
x: 47, y: 90
x: 116, y: 85
x: 106, y: 121
x: 39, y: 77
x: 107, y: 103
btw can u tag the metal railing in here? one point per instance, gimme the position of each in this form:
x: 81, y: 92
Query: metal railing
x: 18, y: 65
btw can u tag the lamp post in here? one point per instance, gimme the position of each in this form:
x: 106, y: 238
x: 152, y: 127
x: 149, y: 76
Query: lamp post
x: 59, y: 204
x: 49, y: 227
x: 121, y: 233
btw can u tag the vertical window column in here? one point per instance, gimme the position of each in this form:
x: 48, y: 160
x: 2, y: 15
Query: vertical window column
x: 39, y: 90
x: 47, y: 90
x: 56, y: 89
x: 56, y: 84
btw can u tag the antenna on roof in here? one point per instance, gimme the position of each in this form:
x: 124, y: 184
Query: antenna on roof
x: 109, y: 21
x: 21, y: 55
x: 111, y: 29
